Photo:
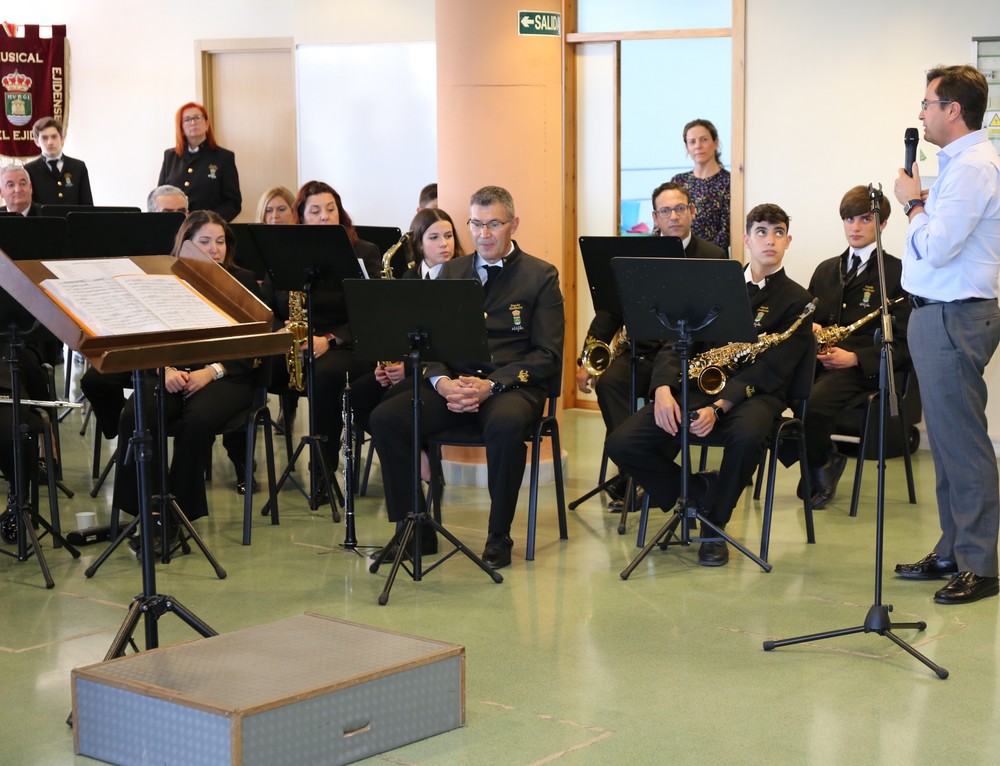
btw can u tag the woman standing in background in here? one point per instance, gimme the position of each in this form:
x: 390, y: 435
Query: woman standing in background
x: 198, y: 165
x: 707, y: 184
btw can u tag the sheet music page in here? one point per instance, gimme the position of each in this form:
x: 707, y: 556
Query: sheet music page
x: 134, y: 304
x: 174, y: 302
x: 103, y: 306
x: 92, y: 268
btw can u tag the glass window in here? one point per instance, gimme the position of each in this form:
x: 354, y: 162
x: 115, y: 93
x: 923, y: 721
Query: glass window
x: 664, y: 85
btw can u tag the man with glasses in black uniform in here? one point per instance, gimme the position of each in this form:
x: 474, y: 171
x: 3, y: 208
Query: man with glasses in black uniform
x: 674, y: 214
x: 505, y: 397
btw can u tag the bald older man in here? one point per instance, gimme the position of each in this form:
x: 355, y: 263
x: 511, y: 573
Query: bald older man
x: 15, y: 188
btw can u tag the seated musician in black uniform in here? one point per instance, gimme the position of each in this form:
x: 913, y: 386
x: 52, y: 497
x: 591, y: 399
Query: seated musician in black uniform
x: 847, y: 289
x: 674, y: 214
x: 16, y: 191
x: 434, y: 242
x: 505, y: 397
x: 57, y: 179
x: 318, y: 203
x: 647, y: 443
x: 201, y: 399
x: 104, y: 390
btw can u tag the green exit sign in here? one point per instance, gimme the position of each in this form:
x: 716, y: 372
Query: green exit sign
x: 538, y: 23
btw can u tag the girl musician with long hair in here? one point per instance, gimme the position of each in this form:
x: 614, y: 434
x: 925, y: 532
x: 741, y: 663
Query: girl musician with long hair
x: 201, y: 398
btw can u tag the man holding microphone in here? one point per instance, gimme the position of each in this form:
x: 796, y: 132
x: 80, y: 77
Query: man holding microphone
x: 950, y: 269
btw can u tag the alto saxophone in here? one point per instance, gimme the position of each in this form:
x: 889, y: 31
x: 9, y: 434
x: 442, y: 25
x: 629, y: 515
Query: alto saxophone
x: 828, y: 337
x: 387, y: 257
x: 709, y: 367
x: 597, y: 355
x: 299, y: 329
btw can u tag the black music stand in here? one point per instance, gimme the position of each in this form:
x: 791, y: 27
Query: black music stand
x: 383, y: 237
x: 247, y: 254
x: 685, y: 301
x: 437, y: 320
x: 303, y: 258
x: 134, y: 233
x: 878, y: 620
x: 61, y: 211
x: 16, y: 319
x: 597, y: 253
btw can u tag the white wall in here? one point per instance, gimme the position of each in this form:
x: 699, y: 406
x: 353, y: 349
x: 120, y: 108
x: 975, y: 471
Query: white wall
x: 831, y: 88
x: 132, y: 64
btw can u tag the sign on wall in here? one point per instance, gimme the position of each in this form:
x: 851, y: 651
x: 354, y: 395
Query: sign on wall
x: 34, y: 85
x: 538, y: 23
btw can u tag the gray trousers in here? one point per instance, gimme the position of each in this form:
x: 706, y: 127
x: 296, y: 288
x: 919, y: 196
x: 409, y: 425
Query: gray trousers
x: 951, y: 344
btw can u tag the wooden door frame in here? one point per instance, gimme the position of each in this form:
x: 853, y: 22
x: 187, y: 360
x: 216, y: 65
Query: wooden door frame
x: 205, y: 49
x: 737, y: 33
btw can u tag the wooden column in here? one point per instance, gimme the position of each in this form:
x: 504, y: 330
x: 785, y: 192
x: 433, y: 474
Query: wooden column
x: 500, y: 120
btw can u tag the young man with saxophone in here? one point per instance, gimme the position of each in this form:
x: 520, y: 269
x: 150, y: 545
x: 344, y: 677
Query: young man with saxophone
x: 847, y: 290
x: 674, y: 214
x: 744, y: 408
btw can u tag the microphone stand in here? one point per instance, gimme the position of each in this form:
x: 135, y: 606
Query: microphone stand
x: 877, y: 619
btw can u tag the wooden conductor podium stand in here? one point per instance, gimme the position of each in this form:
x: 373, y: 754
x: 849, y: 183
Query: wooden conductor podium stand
x: 250, y: 335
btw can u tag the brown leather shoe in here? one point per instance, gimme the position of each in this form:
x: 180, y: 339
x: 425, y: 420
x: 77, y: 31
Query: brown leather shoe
x: 930, y: 567
x: 966, y: 587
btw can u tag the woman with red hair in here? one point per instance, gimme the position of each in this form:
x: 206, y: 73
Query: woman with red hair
x: 197, y: 164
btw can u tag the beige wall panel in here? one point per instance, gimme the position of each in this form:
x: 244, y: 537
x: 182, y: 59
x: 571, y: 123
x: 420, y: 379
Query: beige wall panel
x: 253, y: 114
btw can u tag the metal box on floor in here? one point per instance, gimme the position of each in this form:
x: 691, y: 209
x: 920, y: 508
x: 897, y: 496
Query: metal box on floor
x: 305, y: 690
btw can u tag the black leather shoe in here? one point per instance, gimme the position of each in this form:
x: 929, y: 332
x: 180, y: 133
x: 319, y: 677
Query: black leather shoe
x: 966, y: 587
x: 713, y: 553
x: 616, y: 489
x: 241, y: 486
x: 826, y: 478
x: 496, y: 555
x: 428, y: 544
x: 930, y: 567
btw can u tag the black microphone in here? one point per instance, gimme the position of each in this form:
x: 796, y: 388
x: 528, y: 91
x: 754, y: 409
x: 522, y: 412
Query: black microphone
x: 910, y: 139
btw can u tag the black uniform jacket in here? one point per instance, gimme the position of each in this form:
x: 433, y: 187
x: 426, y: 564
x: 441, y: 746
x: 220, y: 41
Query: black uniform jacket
x: 844, y: 304
x: 72, y: 187
x: 775, y: 308
x: 525, y: 326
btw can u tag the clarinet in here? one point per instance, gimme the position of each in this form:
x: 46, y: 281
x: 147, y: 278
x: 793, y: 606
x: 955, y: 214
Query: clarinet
x: 350, y: 536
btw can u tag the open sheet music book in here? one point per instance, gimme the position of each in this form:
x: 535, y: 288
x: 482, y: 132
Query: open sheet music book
x: 134, y: 303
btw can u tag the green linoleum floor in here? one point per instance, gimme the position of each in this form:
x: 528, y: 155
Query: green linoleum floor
x: 566, y: 663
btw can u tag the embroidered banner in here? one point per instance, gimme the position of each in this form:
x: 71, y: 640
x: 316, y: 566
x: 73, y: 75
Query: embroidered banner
x: 33, y: 79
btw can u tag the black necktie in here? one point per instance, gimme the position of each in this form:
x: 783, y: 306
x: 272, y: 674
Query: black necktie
x: 492, y: 272
x: 752, y: 289
x: 53, y: 167
x: 427, y: 275
x: 855, y: 265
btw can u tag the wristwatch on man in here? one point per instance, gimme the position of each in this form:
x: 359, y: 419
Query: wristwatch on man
x: 496, y: 387
x: 912, y: 204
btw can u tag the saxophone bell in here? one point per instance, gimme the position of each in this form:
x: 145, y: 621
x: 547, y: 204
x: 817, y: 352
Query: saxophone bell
x: 597, y: 355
